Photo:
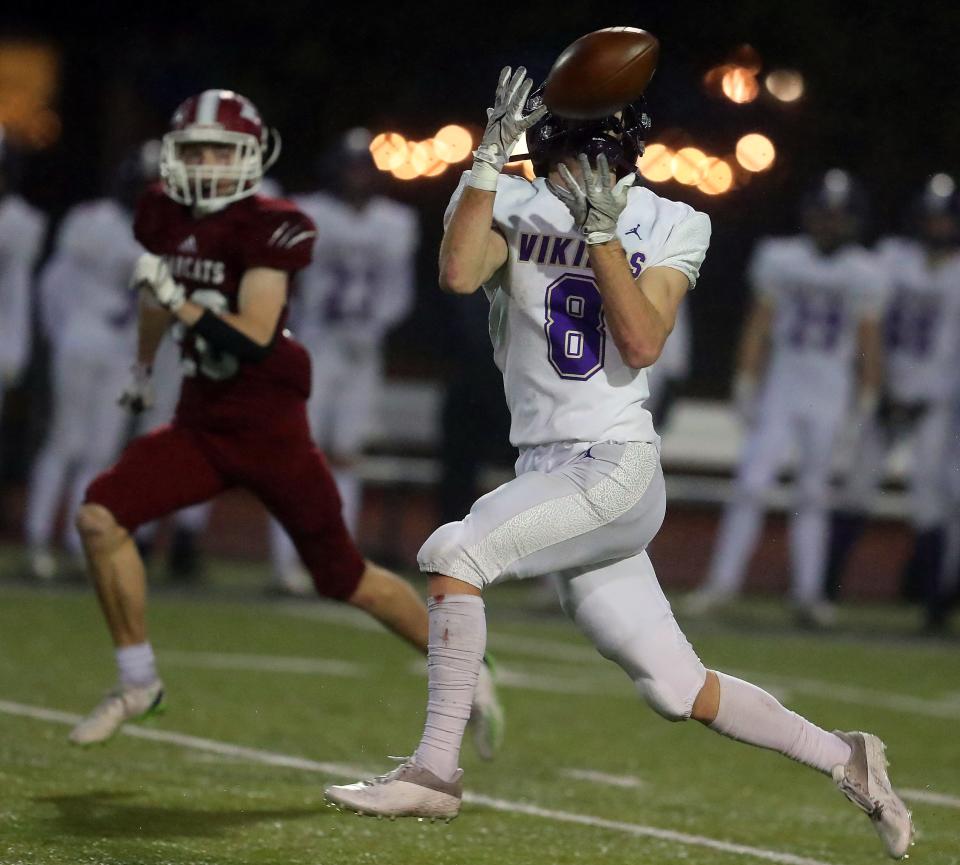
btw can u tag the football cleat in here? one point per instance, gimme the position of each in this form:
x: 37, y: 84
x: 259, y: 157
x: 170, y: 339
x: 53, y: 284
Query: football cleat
x: 486, y: 716
x: 863, y: 780
x: 407, y: 791
x: 119, y: 705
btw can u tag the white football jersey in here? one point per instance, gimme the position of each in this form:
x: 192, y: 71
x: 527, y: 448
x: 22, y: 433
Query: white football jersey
x: 361, y: 279
x: 88, y: 304
x: 22, y: 230
x: 819, y: 301
x: 922, y: 324
x: 563, y: 377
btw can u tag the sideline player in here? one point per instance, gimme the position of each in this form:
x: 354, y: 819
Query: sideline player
x: 671, y: 369
x: 22, y: 230
x: 89, y: 315
x: 813, y: 336
x: 579, y: 305
x: 922, y: 335
x: 358, y: 286
x: 218, y: 270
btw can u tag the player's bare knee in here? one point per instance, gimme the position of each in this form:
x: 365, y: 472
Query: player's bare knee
x: 98, y: 528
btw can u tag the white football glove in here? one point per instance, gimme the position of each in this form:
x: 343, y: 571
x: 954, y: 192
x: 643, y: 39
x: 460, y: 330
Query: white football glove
x: 137, y: 396
x: 595, y: 202
x: 506, y: 122
x: 152, y: 274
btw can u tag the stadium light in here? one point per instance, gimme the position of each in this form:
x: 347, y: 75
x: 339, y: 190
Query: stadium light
x: 787, y: 85
x: 689, y: 165
x: 739, y: 85
x: 656, y: 163
x: 755, y: 152
x: 453, y: 143
x: 718, y: 177
x: 389, y: 150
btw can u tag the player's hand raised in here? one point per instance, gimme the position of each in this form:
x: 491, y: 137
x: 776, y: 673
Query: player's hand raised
x: 137, y: 396
x: 595, y: 201
x: 506, y: 122
x: 151, y: 274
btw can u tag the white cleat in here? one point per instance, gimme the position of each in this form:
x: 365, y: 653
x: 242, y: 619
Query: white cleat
x: 486, y: 716
x: 863, y: 780
x: 818, y: 615
x: 702, y: 602
x: 43, y: 565
x: 294, y: 582
x: 407, y: 791
x: 119, y: 705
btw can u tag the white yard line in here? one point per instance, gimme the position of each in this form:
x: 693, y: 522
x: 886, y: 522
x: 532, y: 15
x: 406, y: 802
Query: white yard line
x: 265, y: 663
x: 627, y: 782
x: 930, y: 798
x: 272, y: 758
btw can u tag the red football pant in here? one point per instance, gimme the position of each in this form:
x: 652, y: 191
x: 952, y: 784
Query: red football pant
x: 177, y: 466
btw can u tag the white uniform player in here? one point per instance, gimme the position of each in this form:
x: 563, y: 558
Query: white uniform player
x: 359, y: 286
x: 584, y: 279
x: 22, y: 229
x: 819, y: 311
x: 89, y: 315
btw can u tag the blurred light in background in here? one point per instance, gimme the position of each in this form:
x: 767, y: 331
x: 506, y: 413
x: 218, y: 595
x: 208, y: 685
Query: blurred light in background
x: 718, y: 177
x: 453, y: 143
x: 942, y: 185
x: 407, y: 160
x: 740, y: 85
x: 29, y: 76
x: 389, y: 150
x: 656, y: 163
x: 785, y: 84
x: 689, y: 165
x: 755, y: 152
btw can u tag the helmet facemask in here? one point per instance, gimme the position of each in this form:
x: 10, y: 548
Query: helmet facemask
x: 619, y: 136
x: 208, y: 188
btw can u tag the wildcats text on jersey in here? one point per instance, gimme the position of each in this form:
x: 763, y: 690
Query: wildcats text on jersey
x: 558, y: 251
x: 204, y: 270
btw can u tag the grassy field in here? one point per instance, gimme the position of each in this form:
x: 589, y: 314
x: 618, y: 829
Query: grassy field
x: 269, y: 701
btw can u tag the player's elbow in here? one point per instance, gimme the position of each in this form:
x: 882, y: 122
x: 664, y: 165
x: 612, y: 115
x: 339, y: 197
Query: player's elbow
x: 454, y: 279
x: 638, y: 354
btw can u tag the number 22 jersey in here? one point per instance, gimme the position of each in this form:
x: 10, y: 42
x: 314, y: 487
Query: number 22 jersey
x: 563, y: 376
x: 208, y: 255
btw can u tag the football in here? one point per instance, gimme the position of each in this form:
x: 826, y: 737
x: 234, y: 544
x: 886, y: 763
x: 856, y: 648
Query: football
x: 601, y: 72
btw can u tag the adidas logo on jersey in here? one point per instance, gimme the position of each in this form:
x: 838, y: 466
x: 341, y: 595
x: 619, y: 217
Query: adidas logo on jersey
x: 188, y: 245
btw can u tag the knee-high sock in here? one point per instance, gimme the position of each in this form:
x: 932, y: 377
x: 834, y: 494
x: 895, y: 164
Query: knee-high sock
x: 739, y: 532
x: 749, y: 714
x: 808, y: 552
x: 458, y: 637
x: 351, y: 495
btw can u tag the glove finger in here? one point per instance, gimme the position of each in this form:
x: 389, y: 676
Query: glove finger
x: 625, y: 183
x: 603, y: 171
x: 515, y: 84
x: 569, y: 181
x: 588, y: 179
x: 533, y: 117
x: 523, y: 95
x: 502, y: 82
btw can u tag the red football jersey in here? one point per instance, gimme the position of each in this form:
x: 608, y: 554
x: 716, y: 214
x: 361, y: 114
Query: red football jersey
x: 208, y: 255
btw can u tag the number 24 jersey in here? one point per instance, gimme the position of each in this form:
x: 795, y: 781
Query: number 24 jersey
x: 563, y: 376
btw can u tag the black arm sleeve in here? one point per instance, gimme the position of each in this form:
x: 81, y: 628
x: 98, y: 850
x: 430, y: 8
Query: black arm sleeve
x: 223, y: 336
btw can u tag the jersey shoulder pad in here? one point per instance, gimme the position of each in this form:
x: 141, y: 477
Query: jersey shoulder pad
x: 276, y: 233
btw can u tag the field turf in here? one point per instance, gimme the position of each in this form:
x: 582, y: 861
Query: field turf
x: 269, y: 701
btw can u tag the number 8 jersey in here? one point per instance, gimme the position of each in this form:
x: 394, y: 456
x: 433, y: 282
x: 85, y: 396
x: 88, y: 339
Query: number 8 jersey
x: 563, y: 376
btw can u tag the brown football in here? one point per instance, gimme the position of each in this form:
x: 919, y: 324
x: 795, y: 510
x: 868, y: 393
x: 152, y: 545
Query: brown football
x: 601, y: 72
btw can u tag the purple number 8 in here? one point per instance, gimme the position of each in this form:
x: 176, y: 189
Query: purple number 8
x: 576, y: 336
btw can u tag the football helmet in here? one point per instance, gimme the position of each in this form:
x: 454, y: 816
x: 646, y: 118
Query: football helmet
x: 621, y: 136
x: 219, y: 117
x: 935, y: 215
x: 834, y: 210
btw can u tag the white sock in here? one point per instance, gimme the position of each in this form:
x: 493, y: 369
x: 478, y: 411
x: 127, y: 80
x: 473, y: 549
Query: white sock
x: 749, y: 714
x: 458, y: 638
x: 739, y: 533
x: 351, y: 497
x: 137, y: 665
x: 808, y: 551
